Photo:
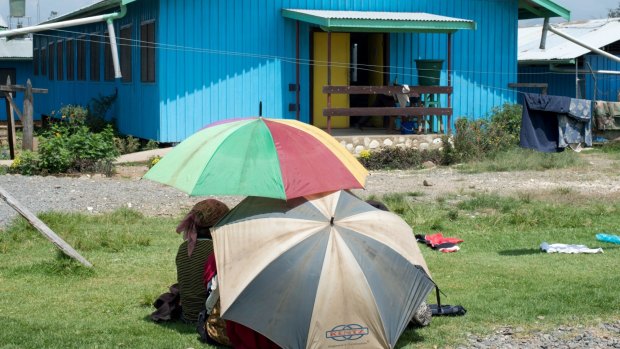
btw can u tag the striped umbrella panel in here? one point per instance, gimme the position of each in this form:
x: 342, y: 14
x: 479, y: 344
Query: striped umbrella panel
x: 259, y: 157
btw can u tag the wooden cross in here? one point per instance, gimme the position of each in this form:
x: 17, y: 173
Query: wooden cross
x: 25, y: 117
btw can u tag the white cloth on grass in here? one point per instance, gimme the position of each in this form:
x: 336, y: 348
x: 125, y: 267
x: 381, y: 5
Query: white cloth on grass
x: 564, y: 248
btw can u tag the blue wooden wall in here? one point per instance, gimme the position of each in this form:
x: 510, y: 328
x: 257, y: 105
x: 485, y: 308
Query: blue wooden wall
x: 135, y: 109
x: 219, y: 59
x: 23, y: 71
x: 607, y: 86
x: 563, y: 84
x: 484, y: 60
x: 560, y: 84
x: 251, y: 58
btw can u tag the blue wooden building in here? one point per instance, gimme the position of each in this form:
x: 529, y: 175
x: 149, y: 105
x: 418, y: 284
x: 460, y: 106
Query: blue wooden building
x: 567, y: 68
x: 16, y: 62
x: 187, y: 63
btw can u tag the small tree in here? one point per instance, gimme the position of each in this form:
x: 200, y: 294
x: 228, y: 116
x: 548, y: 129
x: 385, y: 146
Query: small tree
x: 614, y: 12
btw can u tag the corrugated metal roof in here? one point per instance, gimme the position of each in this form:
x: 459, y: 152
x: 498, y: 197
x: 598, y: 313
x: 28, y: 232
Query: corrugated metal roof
x: 597, y: 33
x: 382, y: 16
x: 384, y: 22
x: 16, y: 49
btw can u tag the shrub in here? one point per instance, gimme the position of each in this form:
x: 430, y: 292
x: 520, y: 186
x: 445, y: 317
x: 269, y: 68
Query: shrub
x: 150, y: 145
x: 26, y: 163
x: 478, y: 139
x: 127, y: 145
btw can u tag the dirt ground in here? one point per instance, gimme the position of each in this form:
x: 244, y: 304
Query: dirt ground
x: 600, y: 178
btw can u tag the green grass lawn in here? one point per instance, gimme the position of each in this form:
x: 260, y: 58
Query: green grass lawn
x: 499, y: 275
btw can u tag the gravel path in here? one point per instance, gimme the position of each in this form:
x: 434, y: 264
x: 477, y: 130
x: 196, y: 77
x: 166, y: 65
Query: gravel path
x: 96, y: 194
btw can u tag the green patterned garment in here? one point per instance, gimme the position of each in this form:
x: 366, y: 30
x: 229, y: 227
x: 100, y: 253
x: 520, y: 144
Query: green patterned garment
x: 189, y: 275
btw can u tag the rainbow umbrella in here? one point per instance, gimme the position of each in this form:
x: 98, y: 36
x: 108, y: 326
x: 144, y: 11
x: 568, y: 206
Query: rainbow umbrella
x: 258, y: 156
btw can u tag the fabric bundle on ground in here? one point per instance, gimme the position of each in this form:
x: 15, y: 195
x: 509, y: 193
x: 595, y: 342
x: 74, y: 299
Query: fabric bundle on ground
x: 614, y: 239
x: 440, y: 242
x: 552, y: 123
x: 565, y: 248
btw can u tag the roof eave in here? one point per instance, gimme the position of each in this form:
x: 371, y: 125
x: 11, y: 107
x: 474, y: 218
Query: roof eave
x: 547, y: 61
x: 542, y: 9
x: 90, y: 10
x: 380, y: 26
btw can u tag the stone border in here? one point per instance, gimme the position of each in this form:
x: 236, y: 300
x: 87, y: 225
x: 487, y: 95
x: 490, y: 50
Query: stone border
x: 356, y: 144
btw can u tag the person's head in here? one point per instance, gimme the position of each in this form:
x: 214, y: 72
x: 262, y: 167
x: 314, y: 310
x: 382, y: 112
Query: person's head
x: 204, y: 215
x: 378, y: 204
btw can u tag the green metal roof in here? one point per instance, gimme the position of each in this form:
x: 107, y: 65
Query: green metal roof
x: 541, y: 9
x: 384, y: 22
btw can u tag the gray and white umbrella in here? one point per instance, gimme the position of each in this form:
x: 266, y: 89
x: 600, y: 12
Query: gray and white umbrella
x: 320, y: 271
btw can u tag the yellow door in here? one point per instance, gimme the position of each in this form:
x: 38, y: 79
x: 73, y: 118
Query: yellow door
x: 340, y: 76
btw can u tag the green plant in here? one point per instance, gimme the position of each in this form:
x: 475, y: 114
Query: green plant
x: 479, y: 139
x: 153, y: 161
x: 127, y: 145
x: 151, y: 145
x: 98, y: 110
x: 26, y: 163
x: 392, y: 158
x: 73, y: 147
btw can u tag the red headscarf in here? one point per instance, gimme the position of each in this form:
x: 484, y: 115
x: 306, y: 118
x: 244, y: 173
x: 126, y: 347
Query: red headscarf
x: 204, y: 214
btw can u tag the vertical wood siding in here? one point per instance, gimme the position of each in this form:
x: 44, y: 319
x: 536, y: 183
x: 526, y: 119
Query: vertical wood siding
x: 607, y: 86
x: 560, y: 84
x: 222, y: 58
x: 135, y: 110
x: 247, y: 51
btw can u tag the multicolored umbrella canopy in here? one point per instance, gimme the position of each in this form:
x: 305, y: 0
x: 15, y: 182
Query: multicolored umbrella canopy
x: 259, y: 157
x: 327, y: 270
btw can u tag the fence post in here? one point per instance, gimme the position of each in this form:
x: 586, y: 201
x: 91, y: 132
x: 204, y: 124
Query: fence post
x: 27, y: 122
x: 10, y: 122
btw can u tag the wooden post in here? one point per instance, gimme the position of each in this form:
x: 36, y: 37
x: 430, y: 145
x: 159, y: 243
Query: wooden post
x: 43, y: 229
x: 10, y: 121
x: 329, y: 79
x: 27, y: 122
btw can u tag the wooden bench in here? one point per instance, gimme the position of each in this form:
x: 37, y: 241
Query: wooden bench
x: 392, y: 112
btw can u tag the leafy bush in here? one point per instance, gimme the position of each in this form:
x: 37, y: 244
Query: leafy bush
x: 69, y: 148
x: 392, y: 158
x: 127, y: 145
x: 478, y: 139
x: 26, y: 163
x: 97, y: 111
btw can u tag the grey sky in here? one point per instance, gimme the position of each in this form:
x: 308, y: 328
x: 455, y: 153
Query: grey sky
x: 580, y: 9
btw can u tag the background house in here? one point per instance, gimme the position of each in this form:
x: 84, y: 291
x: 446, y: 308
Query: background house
x: 186, y: 64
x: 569, y: 69
x: 16, y: 62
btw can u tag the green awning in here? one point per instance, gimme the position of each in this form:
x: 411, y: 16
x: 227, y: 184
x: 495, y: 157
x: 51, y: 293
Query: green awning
x: 383, y: 22
x: 541, y: 9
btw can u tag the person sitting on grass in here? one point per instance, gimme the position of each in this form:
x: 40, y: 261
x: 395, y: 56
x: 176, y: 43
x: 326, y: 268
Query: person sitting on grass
x: 193, y: 253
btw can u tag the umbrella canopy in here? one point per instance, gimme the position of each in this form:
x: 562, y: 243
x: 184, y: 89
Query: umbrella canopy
x: 259, y: 157
x: 321, y: 271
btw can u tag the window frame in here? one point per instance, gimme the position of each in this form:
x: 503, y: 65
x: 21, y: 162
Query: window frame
x: 147, y: 52
x: 108, y: 65
x: 125, y: 53
x: 81, y: 58
x: 70, y: 59
x: 51, y: 52
x: 43, y: 52
x: 95, y: 57
x: 35, y: 61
